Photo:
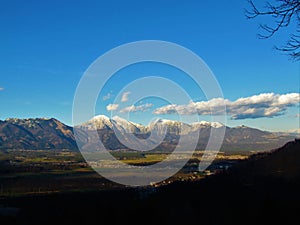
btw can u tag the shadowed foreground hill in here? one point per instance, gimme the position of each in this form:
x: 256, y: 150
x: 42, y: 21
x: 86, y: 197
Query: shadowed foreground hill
x: 282, y: 163
x: 262, y: 190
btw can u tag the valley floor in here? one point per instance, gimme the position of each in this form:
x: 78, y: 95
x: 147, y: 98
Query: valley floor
x: 40, y: 172
x: 263, y: 189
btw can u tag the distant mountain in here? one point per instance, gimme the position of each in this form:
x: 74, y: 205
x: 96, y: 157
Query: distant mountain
x: 43, y: 133
x: 102, y: 122
x: 39, y: 133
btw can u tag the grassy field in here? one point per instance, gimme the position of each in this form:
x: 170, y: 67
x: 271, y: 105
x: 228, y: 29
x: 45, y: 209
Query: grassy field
x: 37, y: 172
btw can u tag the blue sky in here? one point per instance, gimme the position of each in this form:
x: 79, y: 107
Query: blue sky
x: 47, y: 46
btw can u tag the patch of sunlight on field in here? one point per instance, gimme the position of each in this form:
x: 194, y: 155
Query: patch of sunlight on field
x: 149, y: 158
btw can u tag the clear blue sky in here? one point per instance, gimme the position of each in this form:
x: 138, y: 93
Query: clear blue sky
x: 45, y: 47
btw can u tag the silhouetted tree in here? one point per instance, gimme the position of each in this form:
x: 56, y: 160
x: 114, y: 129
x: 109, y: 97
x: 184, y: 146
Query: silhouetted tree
x: 284, y: 12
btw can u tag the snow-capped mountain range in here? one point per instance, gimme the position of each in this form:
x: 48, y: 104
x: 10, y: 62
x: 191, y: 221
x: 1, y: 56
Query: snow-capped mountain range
x: 103, y: 122
x: 50, y: 133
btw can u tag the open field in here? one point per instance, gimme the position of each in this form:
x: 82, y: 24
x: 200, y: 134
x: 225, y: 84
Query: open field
x: 37, y: 172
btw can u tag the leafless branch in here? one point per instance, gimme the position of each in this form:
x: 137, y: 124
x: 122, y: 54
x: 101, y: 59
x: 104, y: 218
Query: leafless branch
x: 284, y: 13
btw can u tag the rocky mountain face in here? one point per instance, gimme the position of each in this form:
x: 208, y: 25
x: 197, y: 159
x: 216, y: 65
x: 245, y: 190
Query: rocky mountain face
x: 39, y: 133
x: 117, y: 133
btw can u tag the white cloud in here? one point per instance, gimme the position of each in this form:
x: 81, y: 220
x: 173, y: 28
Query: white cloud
x: 125, y: 96
x: 134, y: 108
x: 1, y: 88
x: 107, y: 96
x: 256, y: 106
x: 112, y: 107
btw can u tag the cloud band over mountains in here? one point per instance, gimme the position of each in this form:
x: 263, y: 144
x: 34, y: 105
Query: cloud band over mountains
x: 134, y: 108
x: 112, y: 107
x: 256, y: 106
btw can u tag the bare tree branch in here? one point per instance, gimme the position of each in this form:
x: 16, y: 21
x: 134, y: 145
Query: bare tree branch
x: 284, y: 13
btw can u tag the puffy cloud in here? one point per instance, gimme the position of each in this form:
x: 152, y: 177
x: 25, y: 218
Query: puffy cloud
x: 112, y: 107
x: 1, y: 88
x: 256, y: 106
x: 125, y: 96
x: 107, y: 96
x: 134, y: 108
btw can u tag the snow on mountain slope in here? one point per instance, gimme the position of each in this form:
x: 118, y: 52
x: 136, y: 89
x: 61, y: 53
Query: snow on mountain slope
x: 205, y: 124
x: 160, y: 125
x: 98, y: 122
x: 127, y: 126
x: 44, y: 133
x: 169, y: 126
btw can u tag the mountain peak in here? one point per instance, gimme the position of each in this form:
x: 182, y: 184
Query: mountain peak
x: 164, y: 121
x: 208, y: 124
x: 100, y: 117
x: 98, y: 122
x: 242, y: 126
x: 49, y: 133
x: 27, y: 119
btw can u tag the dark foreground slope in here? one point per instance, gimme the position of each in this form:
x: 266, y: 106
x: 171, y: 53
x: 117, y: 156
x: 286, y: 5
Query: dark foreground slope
x: 262, y: 190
